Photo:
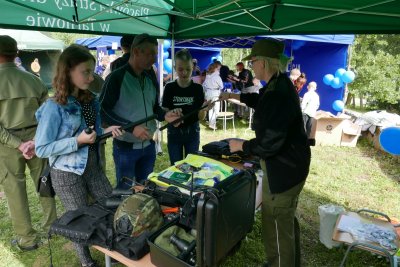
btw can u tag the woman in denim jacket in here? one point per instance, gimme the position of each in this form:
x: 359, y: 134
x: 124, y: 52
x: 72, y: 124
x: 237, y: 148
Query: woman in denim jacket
x: 76, y: 172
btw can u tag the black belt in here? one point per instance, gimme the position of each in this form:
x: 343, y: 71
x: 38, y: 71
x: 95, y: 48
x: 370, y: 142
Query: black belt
x: 21, y: 129
x: 123, y: 144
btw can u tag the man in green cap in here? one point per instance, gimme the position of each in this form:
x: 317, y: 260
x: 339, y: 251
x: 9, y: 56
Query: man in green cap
x: 282, y: 145
x: 21, y: 94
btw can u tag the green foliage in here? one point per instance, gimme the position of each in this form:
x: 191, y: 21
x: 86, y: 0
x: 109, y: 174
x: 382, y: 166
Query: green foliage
x: 68, y: 38
x: 376, y: 60
x: 231, y: 56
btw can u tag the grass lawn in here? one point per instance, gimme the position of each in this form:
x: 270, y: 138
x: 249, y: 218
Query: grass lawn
x: 355, y: 178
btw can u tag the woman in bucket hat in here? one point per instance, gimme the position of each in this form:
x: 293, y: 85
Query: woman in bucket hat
x: 282, y: 145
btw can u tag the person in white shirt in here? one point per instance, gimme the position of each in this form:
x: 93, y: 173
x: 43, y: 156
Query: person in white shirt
x: 212, y: 87
x: 309, y: 106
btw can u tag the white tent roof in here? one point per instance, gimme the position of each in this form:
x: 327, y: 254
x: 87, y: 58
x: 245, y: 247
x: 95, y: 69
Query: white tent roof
x: 33, y: 40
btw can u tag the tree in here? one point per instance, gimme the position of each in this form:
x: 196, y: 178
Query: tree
x: 231, y: 56
x: 376, y: 61
x: 68, y: 38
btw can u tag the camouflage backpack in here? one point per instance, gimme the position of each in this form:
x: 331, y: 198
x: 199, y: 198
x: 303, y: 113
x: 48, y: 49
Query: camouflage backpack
x: 136, y: 214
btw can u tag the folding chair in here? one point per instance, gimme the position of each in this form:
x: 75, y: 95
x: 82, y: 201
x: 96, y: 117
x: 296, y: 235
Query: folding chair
x: 225, y: 115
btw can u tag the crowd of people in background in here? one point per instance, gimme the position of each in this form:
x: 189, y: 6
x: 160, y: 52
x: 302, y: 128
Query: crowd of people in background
x: 34, y: 128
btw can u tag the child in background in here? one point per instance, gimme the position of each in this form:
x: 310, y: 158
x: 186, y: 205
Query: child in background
x: 309, y: 106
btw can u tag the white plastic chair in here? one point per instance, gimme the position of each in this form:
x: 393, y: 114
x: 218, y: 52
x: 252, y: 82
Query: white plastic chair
x: 225, y: 115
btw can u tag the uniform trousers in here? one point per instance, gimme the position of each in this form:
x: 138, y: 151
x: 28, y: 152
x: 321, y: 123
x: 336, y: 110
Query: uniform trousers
x: 13, y: 180
x: 280, y: 227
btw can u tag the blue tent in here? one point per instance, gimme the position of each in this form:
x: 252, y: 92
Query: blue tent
x: 247, y: 42
x: 99, y: 41
x: 315, y: 55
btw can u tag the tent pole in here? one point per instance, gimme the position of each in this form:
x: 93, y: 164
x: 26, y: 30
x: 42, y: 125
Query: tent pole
x: 160, y: 76
x: 173, y: 49
x: 345, y: 94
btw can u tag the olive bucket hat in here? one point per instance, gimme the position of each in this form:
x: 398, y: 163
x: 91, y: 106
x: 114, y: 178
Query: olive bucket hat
x: 266, y: 48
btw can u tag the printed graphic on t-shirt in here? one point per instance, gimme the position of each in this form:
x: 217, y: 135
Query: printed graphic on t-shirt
x: 183, y: 100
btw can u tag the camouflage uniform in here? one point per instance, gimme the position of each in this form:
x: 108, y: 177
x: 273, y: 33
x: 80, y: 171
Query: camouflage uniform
x: 21, y: 94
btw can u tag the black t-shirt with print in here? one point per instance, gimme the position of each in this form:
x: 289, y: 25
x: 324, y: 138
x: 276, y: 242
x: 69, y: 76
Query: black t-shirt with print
x: 188, y: 99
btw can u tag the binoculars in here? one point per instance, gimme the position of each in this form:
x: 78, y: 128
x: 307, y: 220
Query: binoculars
x: 188, y: 253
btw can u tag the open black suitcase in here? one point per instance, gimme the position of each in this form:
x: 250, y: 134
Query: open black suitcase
x: 225, y: 214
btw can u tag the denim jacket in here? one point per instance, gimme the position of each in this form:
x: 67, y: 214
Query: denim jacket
x: 54, y: 134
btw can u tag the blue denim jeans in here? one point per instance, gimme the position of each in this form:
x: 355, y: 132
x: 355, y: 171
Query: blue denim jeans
x: 183, y: 139
x: 132, y: 164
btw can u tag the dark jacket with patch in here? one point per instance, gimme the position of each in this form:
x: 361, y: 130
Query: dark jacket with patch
x: 280, y: 136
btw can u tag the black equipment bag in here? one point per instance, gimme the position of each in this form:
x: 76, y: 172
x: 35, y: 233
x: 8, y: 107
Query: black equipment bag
x: 224, y: 216
x: 93, y: 225
x: 218, y: 149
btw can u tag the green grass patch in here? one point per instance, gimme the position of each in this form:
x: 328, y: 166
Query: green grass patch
x: 355, y: 178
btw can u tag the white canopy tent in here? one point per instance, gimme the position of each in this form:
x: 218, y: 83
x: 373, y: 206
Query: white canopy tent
x: 33, y: 40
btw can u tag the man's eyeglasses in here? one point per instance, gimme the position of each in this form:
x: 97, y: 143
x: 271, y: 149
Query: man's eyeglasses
x: 251, y: 63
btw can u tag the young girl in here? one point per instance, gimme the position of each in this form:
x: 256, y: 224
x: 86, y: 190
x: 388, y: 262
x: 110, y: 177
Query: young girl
x: 183, y: 93
x: 75, y: 172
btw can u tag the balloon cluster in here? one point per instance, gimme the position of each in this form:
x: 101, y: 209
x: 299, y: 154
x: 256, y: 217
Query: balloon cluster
x: 341, y: 77
x: 167, y: 61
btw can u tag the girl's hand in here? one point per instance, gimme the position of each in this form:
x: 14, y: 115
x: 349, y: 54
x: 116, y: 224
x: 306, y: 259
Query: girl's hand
x: 115, y: 130
x: 84, y: 138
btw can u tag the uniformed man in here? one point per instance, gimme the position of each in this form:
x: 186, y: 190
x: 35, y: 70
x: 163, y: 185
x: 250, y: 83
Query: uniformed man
x: 21, y: 94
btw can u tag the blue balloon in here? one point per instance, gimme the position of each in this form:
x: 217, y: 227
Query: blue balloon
x: 339, y: 73
x: 219, y: 58
x: 336, y: 83
x: 338, y: 105
x: 165, y: 54
x: 328, y: 79
x: 167, y: 44
x: 348, y: 76
x: 389, y: 140
x: 168, y: 65
x: 213, y: 59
